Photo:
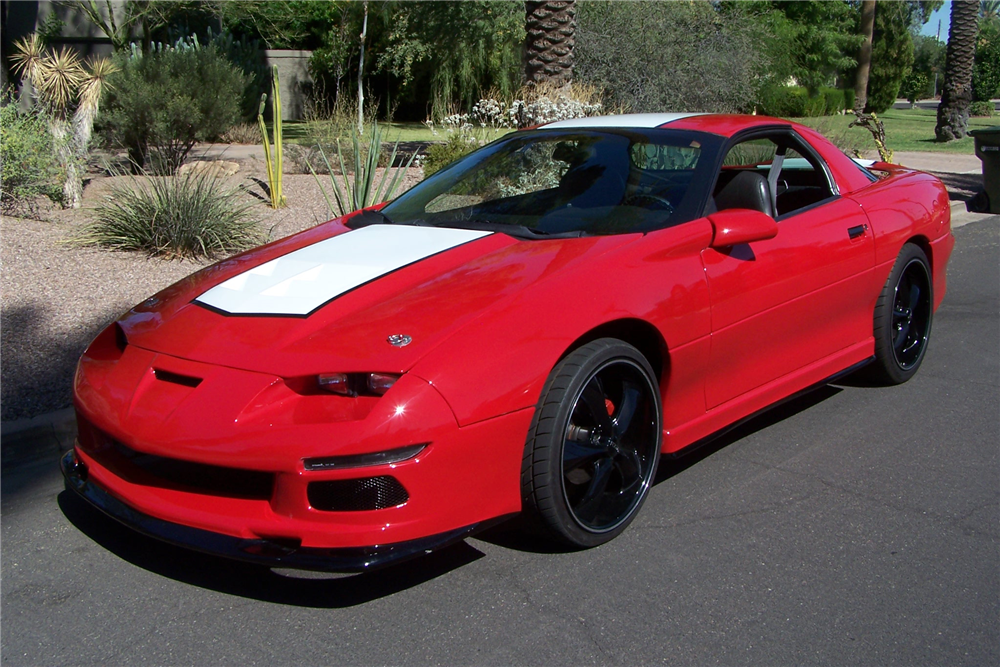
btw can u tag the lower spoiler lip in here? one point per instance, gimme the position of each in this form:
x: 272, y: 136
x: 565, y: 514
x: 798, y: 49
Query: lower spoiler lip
x: 267, y: 552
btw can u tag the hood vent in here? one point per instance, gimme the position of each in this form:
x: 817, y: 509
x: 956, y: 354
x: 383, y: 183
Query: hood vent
x: 176, y: 378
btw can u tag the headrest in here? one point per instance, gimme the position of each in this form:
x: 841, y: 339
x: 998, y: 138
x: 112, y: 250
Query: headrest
x: 748, y: 189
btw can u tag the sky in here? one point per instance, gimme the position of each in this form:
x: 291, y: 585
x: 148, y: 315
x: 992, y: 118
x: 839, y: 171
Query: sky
x: 944, y: 15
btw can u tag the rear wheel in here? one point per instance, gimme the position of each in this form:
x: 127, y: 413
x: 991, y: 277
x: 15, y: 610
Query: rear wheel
x: 594, y: 443
x: 903, y: 316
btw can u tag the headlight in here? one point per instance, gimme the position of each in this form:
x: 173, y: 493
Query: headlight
x: 356, y: 384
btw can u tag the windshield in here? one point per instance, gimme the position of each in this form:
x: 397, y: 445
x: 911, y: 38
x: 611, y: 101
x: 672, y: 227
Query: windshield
x: 567, y: 183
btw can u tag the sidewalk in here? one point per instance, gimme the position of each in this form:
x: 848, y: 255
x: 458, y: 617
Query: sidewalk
x: 945, y: 163
x: 46, y: 436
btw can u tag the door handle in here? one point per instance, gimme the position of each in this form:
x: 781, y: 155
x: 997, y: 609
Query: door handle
x: 855, y: 232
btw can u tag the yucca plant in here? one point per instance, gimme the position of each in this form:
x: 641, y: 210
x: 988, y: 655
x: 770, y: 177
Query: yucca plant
x: 175, y: 216
x: 70, y: 93
x: 365, y: 190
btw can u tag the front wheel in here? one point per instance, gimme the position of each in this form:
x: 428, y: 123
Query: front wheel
x: 594, y: 443
x: 903, y: 316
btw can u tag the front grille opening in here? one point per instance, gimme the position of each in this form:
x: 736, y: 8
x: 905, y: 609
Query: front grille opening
x: 357, y: 495
x: 160, y: 471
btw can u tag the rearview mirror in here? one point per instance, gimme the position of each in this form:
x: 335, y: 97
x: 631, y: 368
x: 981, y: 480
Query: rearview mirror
x: 741, y: 225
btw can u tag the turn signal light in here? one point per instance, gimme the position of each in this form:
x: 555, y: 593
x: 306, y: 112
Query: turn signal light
x: 363, y: 460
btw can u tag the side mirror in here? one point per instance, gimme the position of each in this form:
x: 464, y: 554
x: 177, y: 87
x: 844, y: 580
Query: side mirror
x: 741, y: 225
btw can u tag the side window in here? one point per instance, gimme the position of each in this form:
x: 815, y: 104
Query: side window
x: 799, y: 181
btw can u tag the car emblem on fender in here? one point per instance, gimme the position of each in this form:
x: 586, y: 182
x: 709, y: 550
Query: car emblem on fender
x: 399, y: 340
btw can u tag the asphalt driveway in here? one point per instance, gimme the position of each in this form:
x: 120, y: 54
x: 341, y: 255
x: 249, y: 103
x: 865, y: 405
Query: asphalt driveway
x: 855, y: 526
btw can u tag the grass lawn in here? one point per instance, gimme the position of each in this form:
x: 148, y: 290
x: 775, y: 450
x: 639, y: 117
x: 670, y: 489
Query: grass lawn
x: 905, y: 130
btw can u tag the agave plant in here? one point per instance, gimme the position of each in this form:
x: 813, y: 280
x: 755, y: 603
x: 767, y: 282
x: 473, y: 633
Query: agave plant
x: 70, y: 92
x: 366, y: 190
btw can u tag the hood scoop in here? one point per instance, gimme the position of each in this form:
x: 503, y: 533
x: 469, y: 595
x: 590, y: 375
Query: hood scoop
x: 299, y: 283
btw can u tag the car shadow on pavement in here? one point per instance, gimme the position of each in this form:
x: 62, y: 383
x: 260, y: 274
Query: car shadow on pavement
x: 300, y: 589
x: 675, y: 465
x: 520, y: 534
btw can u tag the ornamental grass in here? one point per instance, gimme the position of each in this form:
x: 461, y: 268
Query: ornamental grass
x: 175, y: 216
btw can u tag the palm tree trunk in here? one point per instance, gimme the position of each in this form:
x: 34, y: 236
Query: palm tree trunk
x: 551, y: 35
x: 956, y: 96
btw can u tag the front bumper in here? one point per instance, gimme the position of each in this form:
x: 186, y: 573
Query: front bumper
x: 271, y: 553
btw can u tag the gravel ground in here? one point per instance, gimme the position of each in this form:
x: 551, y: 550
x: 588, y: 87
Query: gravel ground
x: 56, y: 296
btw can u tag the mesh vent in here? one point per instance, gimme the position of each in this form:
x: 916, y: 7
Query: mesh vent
x: 357, y: 495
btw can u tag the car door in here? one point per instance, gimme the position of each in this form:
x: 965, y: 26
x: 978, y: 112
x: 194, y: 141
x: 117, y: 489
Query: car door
x: 781, y: 304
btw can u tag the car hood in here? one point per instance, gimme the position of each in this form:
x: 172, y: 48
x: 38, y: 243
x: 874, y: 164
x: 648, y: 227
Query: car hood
x: 329, y: 299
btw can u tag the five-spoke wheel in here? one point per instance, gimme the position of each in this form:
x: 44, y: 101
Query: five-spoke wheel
x: 903, y: 317
x: 594, y: 443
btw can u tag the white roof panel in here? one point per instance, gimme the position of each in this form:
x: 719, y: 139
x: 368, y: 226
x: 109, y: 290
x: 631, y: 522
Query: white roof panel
x: 646, y: 120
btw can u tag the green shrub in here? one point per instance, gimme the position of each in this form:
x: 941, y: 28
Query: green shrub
x: 161, y: 103
x: 982, y: 108
x: 849, y: 98
x: 177, y: 216
x: 986, y: 72
x: 815, y: 106
x: 458, y: 145
x: 27, y: 158
x: 914, y: 86
x: 784, y: 101
x: 834, y: 98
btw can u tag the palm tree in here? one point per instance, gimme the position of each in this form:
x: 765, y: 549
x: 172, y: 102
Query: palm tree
x: 551, y: 34
x: 956, y: 96
x: 70, y: 94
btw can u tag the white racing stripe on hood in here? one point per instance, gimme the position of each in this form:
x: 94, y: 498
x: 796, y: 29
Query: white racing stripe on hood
x: 301, y: 281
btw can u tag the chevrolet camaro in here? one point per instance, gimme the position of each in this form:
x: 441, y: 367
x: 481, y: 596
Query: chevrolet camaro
x: 527, y: 330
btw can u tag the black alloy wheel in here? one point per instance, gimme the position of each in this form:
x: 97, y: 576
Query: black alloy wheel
x: 594, y: 444
x: 903, y: 317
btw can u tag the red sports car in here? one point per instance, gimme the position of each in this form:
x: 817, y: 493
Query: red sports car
x: 527, y: 330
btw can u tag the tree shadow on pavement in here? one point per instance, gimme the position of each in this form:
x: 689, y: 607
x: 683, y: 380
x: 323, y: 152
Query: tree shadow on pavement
x: 961, y: 187
x: 306, y: 589
x: 37, y: 364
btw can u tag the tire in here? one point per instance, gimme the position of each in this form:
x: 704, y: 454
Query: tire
x: 903, y: 316
x: 593, y: 445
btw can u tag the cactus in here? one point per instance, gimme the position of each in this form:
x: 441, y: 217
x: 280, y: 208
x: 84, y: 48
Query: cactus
x: 275, y: 165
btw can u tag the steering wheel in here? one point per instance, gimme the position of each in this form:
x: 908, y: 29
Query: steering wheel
x: 652, y: 202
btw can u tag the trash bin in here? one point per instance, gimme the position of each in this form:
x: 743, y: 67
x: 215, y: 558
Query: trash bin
x: 988, y: 150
